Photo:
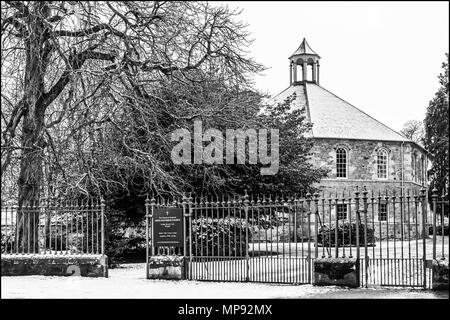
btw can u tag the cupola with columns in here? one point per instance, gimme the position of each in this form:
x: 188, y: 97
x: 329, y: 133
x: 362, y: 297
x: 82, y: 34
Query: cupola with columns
x: 301, y: 59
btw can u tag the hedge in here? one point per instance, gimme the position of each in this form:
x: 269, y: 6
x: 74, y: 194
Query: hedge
x: 220, y: 236
x: 344, y: 227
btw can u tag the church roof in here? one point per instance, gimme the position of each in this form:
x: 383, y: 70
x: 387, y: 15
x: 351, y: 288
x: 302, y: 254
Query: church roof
x: 332, y: 117
x: 304, y: 49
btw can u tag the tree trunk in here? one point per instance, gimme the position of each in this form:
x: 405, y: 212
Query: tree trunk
x: 30, y: 176
x: 32, y: 141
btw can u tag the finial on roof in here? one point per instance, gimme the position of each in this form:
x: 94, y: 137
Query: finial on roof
x: 304, y: 49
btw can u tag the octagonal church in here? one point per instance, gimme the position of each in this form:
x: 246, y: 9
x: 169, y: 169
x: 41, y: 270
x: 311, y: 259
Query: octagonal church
x: 357, y: 149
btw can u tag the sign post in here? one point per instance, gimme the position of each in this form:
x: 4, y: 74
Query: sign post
x: 168, y: 228
x: 167, y: 244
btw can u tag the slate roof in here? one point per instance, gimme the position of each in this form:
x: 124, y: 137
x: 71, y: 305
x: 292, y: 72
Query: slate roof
x: 333, y: 117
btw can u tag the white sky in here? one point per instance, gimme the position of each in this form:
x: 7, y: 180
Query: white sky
x: 382, y: 57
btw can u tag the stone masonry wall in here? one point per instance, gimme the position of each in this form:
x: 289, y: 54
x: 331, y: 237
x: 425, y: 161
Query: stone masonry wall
x: 362, y: 171
x: 362, y: 159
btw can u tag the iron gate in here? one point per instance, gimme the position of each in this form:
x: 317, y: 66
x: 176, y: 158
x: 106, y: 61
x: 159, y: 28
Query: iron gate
x: 276, y: 239
x: 251, y: 240
x: 399, y: 257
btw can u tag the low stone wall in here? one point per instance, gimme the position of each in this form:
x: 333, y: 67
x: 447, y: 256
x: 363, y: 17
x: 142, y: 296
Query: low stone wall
x: 54, y: 265
x: 168, y: 267
x: 440, y: 275
x: 336, y: 272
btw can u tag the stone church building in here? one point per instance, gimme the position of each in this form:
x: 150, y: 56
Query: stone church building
x: 357, y: 149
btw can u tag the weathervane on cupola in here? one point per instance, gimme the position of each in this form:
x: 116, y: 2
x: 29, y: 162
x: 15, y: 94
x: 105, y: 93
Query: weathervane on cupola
x: 304, y: 56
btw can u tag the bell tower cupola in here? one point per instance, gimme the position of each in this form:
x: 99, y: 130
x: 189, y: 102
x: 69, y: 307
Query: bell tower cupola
x: 300, y: 62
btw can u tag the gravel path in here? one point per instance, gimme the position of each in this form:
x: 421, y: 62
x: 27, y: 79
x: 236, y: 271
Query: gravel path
x: 129, y: 282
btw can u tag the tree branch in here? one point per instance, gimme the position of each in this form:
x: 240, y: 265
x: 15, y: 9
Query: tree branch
x: 82, y: 33
x: 76, y: 62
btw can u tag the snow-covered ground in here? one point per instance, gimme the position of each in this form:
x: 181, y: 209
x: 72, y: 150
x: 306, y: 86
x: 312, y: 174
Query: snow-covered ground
x: 129, y: 282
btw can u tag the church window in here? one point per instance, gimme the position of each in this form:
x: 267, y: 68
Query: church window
x: 341, y: 211
x: 382, y: 164
x: 382, y: 212
x: 341, y: 163
x: 422, y: 170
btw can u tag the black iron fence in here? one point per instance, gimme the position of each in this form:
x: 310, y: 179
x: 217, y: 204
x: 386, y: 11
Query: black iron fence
x: 277, y: 238
x: 392, y: 236
x: 440, y: 225
x: 53, y: 227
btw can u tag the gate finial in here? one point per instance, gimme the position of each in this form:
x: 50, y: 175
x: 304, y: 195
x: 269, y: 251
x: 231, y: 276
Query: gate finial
x: 246, y: 201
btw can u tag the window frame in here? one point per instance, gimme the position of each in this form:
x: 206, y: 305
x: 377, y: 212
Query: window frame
x: 340, y: 205
x: 346, y: 153
x: 384, y: 152
x: 384, y: 203
x: 422, y: 169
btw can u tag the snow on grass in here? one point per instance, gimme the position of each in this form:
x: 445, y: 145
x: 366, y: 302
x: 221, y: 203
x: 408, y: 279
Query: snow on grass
x: 405, y: 249
x: 129, y: 282
x: 50, y: 255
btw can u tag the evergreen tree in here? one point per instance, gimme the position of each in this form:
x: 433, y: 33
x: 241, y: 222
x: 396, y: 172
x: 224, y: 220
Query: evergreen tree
x: 436, y: 135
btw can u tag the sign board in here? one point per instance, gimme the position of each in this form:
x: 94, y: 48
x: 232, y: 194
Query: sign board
x: 168, y: 227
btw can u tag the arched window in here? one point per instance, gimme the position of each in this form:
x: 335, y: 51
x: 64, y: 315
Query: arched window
x: 298, y: 72
x: 382, y: 164
x: 422, y: 170
x: 341, y: 163
x: 309, y: 74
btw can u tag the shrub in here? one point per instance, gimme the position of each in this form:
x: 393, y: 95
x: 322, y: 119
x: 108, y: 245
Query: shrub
x: 220, y: 237
x: 123, y: 237
x: 264, y: 220
x: 439, y: 230
x: 8, y: 242
x: 277, y: 225
x: 344, y: 227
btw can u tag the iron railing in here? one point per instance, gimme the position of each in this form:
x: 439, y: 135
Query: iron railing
x: 277, y: 238
x: 440, y: 207
x: 53, y: 227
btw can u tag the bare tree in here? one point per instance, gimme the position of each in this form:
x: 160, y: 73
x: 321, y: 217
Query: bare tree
x: 69, y: 67
x: 413, y: 130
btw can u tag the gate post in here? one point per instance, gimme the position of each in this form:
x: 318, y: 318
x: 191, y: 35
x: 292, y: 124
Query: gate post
x: 358, y: 221
x: 316, y: 226
x: 190, y: 233
x: 102, y: 222
x: 185, y: 235
x: 434, y: 197
x: 308, y: 202
x: 366, y: 257
x: 424, y: 247
x: 147, y: 205
x: 152, y: 235
x: 102, y: 205
x: 246, y: 201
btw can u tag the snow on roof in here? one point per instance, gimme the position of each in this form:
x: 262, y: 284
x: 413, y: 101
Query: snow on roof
x: 333, y: 117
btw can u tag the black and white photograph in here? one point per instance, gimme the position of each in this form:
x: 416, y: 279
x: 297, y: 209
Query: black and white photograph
x: 223, y: 155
